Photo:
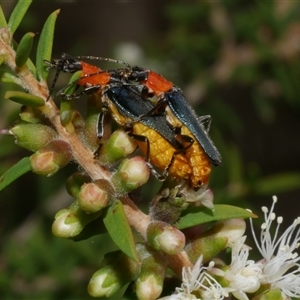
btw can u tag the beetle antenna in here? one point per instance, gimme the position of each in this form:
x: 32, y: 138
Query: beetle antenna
x: 117, y: 61
x: 57, y: 64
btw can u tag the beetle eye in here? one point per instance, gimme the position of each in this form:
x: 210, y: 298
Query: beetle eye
x: 134, y: 76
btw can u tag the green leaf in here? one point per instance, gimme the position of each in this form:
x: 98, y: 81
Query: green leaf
x: 96, y: 227
x: 24, y: 49
x: 119, y: 229
x: 9, y: 78
x: 18, y: 14
x: 29, y: 63
x: 31, y: 67
x: 44, y: 48
x: 277, y: 183
x: 24, y: 98
x: 200, y: 215
x: 71, y: 87
x: 66, y: 111
x: 17, y: 170
x: 2, y: 18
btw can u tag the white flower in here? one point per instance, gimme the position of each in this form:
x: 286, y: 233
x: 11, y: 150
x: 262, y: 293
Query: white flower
x: 281, y: 267
x: 198, y: 281
x: 242, y: 274
x: 204, y: 196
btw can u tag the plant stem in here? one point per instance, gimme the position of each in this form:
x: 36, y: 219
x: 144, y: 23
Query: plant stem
x: 81, y: 154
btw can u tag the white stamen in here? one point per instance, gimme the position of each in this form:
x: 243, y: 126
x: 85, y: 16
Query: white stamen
x: 281, y: 263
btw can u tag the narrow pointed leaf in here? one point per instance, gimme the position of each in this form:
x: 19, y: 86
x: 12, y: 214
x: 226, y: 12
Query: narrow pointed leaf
x: 31, y: 67
x: 200, y: 215
x: 9, y: 78
x: 277, y: 183
x: 119, y: 229
x: 24, y: 49
x: 18, y: 14
x: 29, y: 63
x: 17, y: 170
x: 96, y: 227
x: 24, y: 98
x: 2, y: 19
x: 44, y: 49
x: 71, y: 87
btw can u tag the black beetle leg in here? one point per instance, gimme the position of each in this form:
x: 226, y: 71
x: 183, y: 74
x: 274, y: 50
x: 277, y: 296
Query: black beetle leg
x: 205, y: 120
x: 87, y: 91
x: 140, y: 138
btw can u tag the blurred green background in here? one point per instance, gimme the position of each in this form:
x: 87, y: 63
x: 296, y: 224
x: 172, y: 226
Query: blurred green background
x: 235, y: 60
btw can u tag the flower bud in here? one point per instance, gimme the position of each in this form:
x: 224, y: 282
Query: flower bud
x: 77, y: 121
x: 273, y: 294
x: 33, y: 136
x: 162, y: 236
x: 66, y: 111
x: 112, y: 277
x: 66, y: 224
x: 167, y: 206
x: 94, y: 196
x: 149, y: 283
x: 207, y: 244
x: 74, y: 183
x: 131, y: 174
x: 69, y: 222
x: 232, y: 229
x: 203, y: 196
x: 119, y: 145
x: 90, y: 132
x: 50, y: 159
x: 30, y: 115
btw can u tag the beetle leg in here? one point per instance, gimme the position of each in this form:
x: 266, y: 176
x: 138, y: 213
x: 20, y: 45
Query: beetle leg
x: 184, y: 139
x: 87, y: 91
x: 100, y: 124
x: 205, y: 120
x: 140, y: 138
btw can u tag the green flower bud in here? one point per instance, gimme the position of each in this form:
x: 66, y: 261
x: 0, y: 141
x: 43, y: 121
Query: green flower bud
x: 70, y: 118
x: 167, y: 206
x: 50, y: 159
x: 90, y: 132
x: 119, y: 145
x: 66, y: 224
x: 66, y: 111
x: 71, y: 221
x: 111, y: 278
x: 149, y: 283
x: 274, y: 294
x: 78, y: 121
x: 33, y: 136
x: 30, y: 115
x: 232, y: 229
x: 162, y: 236
x: 208, y: 244
x: 131, y: 174
x: 74, y: 183
x: 95, y: 195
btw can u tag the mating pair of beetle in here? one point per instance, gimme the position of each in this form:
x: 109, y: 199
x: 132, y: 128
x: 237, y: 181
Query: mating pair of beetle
x: 168, y: 131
